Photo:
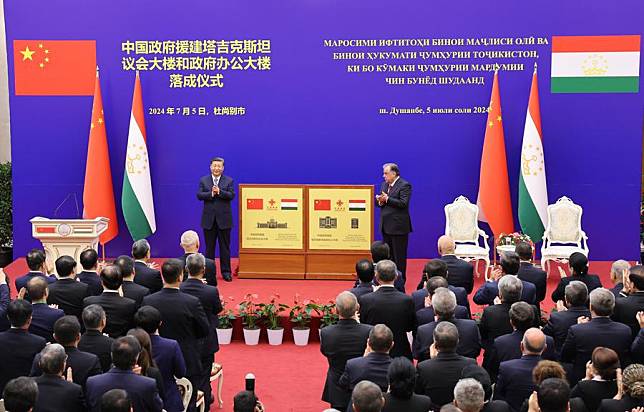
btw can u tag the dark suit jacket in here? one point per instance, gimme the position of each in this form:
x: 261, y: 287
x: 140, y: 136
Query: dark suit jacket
x: 68, y: 294
x: 626, y: 309
x: 419, y: 296
x: 495, y: 322
x: 538, y: 277
x: 426, y: 315
x: 489, y: 291
x: 437, y: 377
x: 43, y: 319
x: 591, y: 281
x: 496, y: 406
x: 582, y: 339
x: 83, y: 365
x: 5, y: 298
x: 169, y: 359
x: 147, y: 277
x: 211, y: 270
x: 459, y: 272
x: 560, y: 322
x: 218, y: 207
x: 184, y: 320
x: 141, y: 390
x: 417, y: 403
x: 18, y: 350
x: 394, y: 215
x: 469, y: 340
x: 100, y: 345
x: 625, y: 404
x: 55, y: 394
x: 514, y: 383
x: 93, y: 281
x: 617, y: 290
x: 372, y: 367
x: 119, y: 311
x: 637, y: 348
x: 362, y: 289
x: 592, y: 392
x: 135, y: 291
x: 211, y: 303
x: 340, y: 342
x: 396, y: 310
x: 22, y: 281
x: 508, y: 347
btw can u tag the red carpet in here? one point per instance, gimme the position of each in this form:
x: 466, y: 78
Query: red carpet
x: 291, y: 378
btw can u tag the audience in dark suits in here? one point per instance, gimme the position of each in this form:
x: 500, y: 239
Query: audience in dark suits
x: 576, y: 305
x: 402, y: 383
x: 391, y: 307
x: 489, y: 291
x: 119, y: 310
x: 20, y: 394
x: 365, y: 273
x: 93, y: 340
x: 37, y: 264
x: 626, y: 308
x: 433, y: 268
x: 600, y: 381
x: 43, y: 316
x: 190, y: 245
x: 67, y: 293
x: 89, y: 274
x: 131, y: 289
x: 145, y: 275
x: 631, y: 392
x: 460, y: 272
x: 340, y: 342
x: 578, y: 263
x: 426, y: 314
x: 55, y: 393
x: 530, y: 273
x: 618, y: 270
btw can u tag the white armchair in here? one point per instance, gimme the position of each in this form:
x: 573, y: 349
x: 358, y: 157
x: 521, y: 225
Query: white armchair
x: 461, y: 224
x: 563, y: 235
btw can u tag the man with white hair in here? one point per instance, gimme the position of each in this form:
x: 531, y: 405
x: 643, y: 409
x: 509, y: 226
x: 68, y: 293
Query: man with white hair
x: 55, y: 392
x: 618, y: 270
x: 190, y: 244
x: 469, y: 395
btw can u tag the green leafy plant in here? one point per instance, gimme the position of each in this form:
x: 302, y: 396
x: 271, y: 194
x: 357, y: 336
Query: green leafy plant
x: 513, y: 239
x: 249, y: 311
x: 301, y: 312
x: 227, y: 315
x: 328, y: 313
x: 6, y: 216
x: 271, y: 311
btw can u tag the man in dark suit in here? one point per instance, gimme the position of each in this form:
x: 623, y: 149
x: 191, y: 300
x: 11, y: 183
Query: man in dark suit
x: 391, y: 307
x: 145, y: 273
x: 217, y: 190
x: 365, y: 273
x: 184, y: 319
x: 119, y: 310
x: 5, y: 298
x: 89, y: 275
x: 395, y: 222
x: 131, y: 289
x: 437, y: 376
x: 55, y: 393
x: 20, y: 394
x: 460, y: 272
x: 67, y: 292
x: 637, y: 348
x: 444, y: 304
x: 82, y: 364
x: 529, y: 272
x: 141, y: 390
x: 514, y: 383
x: 381, y: 251
x: 600, y: 330
x: 374, y: 365
x: 576, y: 305
x: 190, y: 245
x: 626, y: 308
x: 618, y: 270
x: 43, y: 316
x: 426, y: 314
x: 481, y: 375
x: 340, y: 342
x: 211, y: 303
x: 486, y: 294
x: 93, y: 340
x: 18, y: 346
x: 37, y: 264
x: 433, y: 268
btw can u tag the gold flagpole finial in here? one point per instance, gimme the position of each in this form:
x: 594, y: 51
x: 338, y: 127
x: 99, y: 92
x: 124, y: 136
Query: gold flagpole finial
x: 97, y: 70
x: 535, y: 66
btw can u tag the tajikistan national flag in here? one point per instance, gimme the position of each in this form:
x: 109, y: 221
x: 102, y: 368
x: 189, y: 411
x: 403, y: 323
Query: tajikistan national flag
x: 595, y: 64
x: 137, y: 201
x: 533, y: 193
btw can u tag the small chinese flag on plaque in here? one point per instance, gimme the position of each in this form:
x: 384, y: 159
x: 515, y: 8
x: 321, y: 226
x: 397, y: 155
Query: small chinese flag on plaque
x: 322, y: 204
x: 54, y: 67
x: 254, y: 204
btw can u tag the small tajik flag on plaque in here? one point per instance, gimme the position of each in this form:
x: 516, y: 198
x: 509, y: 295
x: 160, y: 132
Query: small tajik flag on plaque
x: 288, y: 204
x: 357, y: 205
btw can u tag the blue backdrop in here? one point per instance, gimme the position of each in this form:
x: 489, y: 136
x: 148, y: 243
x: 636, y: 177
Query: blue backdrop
x: 310, y: 121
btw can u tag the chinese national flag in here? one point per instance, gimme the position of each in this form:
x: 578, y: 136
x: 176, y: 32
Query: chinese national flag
x: 54, y: 67
x: 255, y: 204
x: 322, y: 204
x: 98, y: 192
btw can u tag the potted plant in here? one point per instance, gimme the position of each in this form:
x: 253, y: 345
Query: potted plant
x: 250, y: 314
x: 300, y: 315
x: 6, y: 215
x: 225, y: 327
x: 270, y: 314
x: 328, y: 314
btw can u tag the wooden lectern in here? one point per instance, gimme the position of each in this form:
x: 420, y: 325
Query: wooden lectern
x: 69, y: 237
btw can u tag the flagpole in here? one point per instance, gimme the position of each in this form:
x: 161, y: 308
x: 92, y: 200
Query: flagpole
x: 103, y: 247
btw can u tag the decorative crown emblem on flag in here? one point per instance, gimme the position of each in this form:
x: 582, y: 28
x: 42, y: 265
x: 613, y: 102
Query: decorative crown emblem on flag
x: 137, y: 159
x: 595, y: 65
x: 531, y: 160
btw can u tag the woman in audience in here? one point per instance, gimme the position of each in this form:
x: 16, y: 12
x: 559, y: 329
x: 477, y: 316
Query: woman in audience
x: 578, y: 263
x: 401, y: 396
x: 600, y: 381
x: 547, y: 369
x: 145, y: 362
x: 630, y: 391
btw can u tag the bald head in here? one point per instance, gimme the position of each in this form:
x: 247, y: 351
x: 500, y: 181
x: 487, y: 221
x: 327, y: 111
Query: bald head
x: 534, y: 342
x: 446, y: 245
x: 346, y: 304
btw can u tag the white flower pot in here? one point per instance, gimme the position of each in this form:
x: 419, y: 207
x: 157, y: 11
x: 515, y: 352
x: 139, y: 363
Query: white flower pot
x: 251, y: 336
x: 301, y: 336
x: 224, y: 335
x: 275, y: 336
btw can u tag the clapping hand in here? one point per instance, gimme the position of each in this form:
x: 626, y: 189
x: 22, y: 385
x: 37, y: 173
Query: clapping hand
x: 583, y: 319
x: 640, y: 318
x: 22, y: 293
x: 561, y: 306
x: 153, y: 265
x: 620, y: 388
x: 3, y: 276
x: 497, y: 273
x: 69, y: 377
x: 562, y: 272
x: 215, y: 191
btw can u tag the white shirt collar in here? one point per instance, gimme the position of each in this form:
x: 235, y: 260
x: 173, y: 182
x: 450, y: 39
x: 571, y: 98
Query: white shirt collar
x: 110, y: 291
x: 394, y: 182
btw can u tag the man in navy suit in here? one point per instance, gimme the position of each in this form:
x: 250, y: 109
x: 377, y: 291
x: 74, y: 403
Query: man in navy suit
x: 55, y: 393
x: 167, y: 355
x: 514, y: 383
x: 141, y: 390
x: 600, y: 330
x: 211, y: 303
x: 18, y: 346
x: 626, y: 308
x: 637, y: 348
x: 67, y: 292
x: 43, y: 316
x: 438, y: 267
x: 89, y: 275
x: 395, y: 221
x: 190, y: 245
x: 145, y: 273
x: 460, y: 272
x: 5, y: 298
x: 486, y: 294
x: 444, y: 303
x: 93, y: 340
x: 426, y: 313
x: 576, y: 305
x: 131, y: 289
x: 529, y: 272
x: 37, y: 267
x: 365, y: 272
x: 217, y: 190
x: 20, y: 394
